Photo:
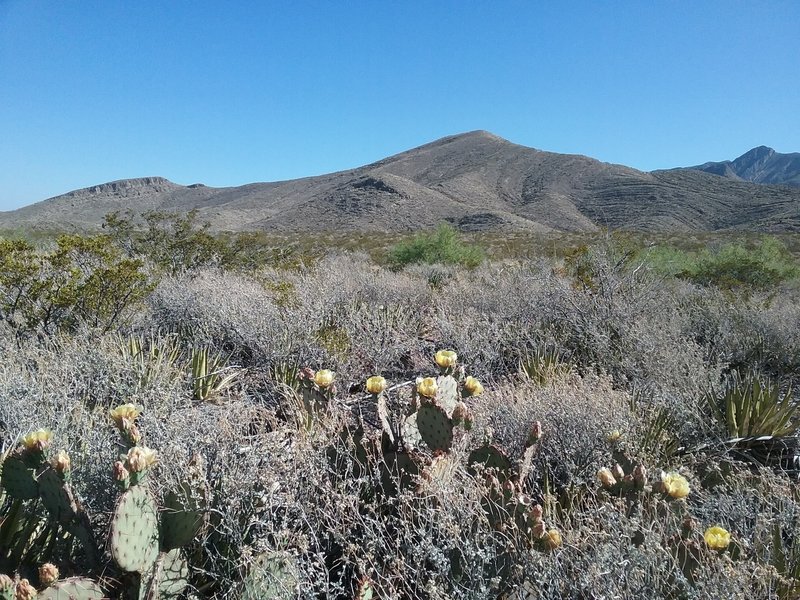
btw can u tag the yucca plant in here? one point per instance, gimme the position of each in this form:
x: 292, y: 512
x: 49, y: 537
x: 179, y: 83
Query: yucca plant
x: 210, y: 375
x: 750, y: 406
x: 542, y: 366
x: 149, y: 357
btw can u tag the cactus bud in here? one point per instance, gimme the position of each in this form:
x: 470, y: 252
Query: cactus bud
x: 446, y: 358
x: 606, y: 478
x: 120, y: 472
x: 323, y: 378
x: 61, y: 462
x: 306, y: 373
x: 534, y: 434
x: 376, y: 384
x: 462, y: 415
x: 539, y: 530
x: 24, y: 591
x: 48, y: 574
x: 536, y: 513
x: 472, y: 387
x: 639, y: 476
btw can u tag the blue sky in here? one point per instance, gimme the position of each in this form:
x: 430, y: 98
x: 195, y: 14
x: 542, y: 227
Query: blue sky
x: 233, y: 92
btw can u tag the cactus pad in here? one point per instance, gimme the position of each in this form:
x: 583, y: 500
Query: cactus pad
x: 409, y: 432
x: 74, y: 588
x: 170, y: 575
x: 397, y: 470
x: 435, y: 428
x: 134, y: 530
x: 447, y: 393
x: 274, y: 575
x: 491, y: 457
x: 181, y: 519
x: 18, y: 478
x: 57, y: 496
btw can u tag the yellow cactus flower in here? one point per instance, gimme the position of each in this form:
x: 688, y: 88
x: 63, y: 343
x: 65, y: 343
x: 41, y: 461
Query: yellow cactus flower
x: 61, y: 462
x: 427, y: 387
x: 675, y: 485
x: 614, y: 436
x: 140, y: 459
x: 38, y: 440
x: 717, y: 538
x: 124, y: 415
x: 48, y: 574
x: 376, y: 384
x: 323, y: 378
x: 446, y: 358
x: 6, y: 583
x: 472, y: 386
x: 553, y: 539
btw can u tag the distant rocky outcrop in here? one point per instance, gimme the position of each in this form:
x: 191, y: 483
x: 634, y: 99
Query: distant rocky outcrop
x: 476, y: 181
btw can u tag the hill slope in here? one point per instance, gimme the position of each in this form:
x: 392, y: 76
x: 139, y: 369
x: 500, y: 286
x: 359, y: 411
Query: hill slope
x: 475, y: 180
x: 759, y: 165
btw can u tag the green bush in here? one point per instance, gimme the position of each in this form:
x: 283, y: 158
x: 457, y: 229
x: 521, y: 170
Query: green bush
x: 732, y: 265
x: 85, y: 280
x: 441, y: 246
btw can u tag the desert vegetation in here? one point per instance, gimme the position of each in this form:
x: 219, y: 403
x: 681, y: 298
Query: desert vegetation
x: 186, y: 415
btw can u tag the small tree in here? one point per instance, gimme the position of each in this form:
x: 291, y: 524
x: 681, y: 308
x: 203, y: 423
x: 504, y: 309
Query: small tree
x: 441, y: 246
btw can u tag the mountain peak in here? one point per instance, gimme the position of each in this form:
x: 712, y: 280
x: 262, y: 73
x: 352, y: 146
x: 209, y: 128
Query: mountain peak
x: 758, y: 165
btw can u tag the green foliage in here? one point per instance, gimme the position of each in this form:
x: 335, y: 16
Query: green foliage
x: 731, y: 265
x: 442, y: 246
x: 83, y: 281
x: 543, y: 366
x: 750, y: 407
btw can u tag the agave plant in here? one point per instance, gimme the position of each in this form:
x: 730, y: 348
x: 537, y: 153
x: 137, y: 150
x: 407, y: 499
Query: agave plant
x: 750, y: 406
x: 210, y: 376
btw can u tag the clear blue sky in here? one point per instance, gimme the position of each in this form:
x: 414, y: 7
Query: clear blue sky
x: 232, y: 92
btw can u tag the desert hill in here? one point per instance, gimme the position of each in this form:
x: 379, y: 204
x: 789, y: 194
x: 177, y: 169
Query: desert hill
x: 476, y: 180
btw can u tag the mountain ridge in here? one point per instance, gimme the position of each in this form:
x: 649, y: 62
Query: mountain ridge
x: 761, y: 164
x: 475, y: 180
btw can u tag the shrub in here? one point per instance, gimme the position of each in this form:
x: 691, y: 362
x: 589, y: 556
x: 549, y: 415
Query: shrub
x: 84, y: 281
x: 442, y: 246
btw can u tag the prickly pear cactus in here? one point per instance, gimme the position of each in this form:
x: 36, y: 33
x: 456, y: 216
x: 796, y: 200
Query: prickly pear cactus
x: 447, y: 393
x: 491, y: 457
x: 7, y: 589
x: 170, y: 576
x: 435, y: 428
x: 74, y: 588
x: 18, y: 479
x: 274, y: 575
x: 57, y: 496
x: 134, y: 530
x: 409, y: 432
x: 182, y: 518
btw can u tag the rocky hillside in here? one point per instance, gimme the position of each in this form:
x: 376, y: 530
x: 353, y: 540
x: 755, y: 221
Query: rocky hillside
x: 476, y: 180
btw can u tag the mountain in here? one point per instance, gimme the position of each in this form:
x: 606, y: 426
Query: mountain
x: 759, y: 165
x: 476, y: 180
